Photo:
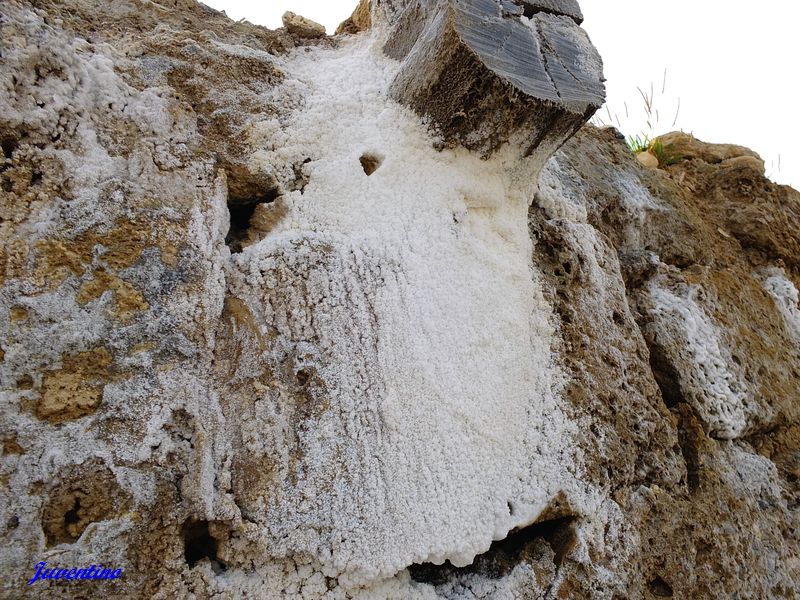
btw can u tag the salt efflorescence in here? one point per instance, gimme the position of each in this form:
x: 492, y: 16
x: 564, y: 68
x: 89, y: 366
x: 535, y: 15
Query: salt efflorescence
x: 397, y: 360
x: 785, y: 294
x: 411, y: 295
x: 713, y: 386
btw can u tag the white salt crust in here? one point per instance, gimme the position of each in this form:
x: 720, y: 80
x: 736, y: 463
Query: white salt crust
x: 444, y: 408
x: 415, y: 299
x: 713, y: 384
x: 786, y: 296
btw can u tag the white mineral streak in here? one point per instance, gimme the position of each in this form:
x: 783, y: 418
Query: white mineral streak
x: 561, y: 192
x: 412, y: 294
x: 712, y: 384
x: 786, y: 296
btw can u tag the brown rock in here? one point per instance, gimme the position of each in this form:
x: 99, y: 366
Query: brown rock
x: 360, y: 20
x: 76, y: 389
x: 753, y: 163
x: 647, y: 160
x: 128, y: 300
x: 302, y: 27
x: 687, y: 146
x: 86, y: 495
x: 717, y: 323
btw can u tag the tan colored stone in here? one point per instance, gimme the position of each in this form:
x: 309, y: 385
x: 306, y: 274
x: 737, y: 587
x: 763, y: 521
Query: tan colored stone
x: 90, y: 493
x: 746, y: 162
x: 11, y: 446
x: 128, y: 300
x: 301, y: 26
x: 360, y: 20
x: 695, y: 497
x: 647, y: 160
x: 76, y: 389
x: 264, y: 219
x: 122, y: 246
x: 686, y: 146
x: 19, y: 313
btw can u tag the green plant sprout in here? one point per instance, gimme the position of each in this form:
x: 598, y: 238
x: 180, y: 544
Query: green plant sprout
x: 647, y: 140
x: 664, y: 160
x: 638, y: 143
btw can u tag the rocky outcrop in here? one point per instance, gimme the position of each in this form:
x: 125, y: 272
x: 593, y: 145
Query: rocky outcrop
x: 268, y: 332
x: 360, y: 20
x: 690, y: 423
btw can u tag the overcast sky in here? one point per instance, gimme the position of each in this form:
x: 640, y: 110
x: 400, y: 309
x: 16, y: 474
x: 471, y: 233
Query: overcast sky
x: 732, y: 64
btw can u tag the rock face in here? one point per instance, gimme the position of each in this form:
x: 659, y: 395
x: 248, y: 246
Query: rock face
x: 681, y: 337
x: 278, y: 322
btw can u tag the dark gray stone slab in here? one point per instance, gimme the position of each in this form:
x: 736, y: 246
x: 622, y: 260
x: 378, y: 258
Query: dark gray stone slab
x: 567, y: 8
x: 484, y: 72
x: 573, y: 71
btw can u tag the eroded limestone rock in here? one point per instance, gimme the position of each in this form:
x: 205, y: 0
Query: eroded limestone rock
x: 360, y: 20
x: 718, y: 319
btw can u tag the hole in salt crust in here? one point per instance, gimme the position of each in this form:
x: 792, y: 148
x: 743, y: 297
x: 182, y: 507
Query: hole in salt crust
x: 370, y: 163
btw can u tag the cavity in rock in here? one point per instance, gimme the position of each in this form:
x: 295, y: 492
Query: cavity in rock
x: 199, y: 544
x: 503, y: 555
x: 241, y: 211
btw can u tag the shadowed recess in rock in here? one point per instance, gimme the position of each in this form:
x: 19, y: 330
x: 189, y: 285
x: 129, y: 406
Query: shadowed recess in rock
x: 199, y: 544
x: 241, y: 211
x: 566, y: 8
x: 524, y: 545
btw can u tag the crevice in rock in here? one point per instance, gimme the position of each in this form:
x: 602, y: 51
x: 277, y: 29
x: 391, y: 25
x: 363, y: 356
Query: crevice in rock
x: 503, y: 555
x: 300, y: 177
x: 241, y: 211
x: 690, y: 432
x: 9, y: 146
x: 527, y: 9
x: 666, y: 376
x: 530, y: 8
x: 660, y: 588
x: 543, y: 48
x: 690, y: 438
x: 71, y: 517
x: 303, y: 376
x: 80, y: 500
x: 25, y: 382
x: 198, y: 544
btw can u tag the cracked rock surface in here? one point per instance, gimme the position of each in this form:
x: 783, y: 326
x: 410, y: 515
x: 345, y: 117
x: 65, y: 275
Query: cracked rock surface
x: 487, y: 72
x: 293, y: 316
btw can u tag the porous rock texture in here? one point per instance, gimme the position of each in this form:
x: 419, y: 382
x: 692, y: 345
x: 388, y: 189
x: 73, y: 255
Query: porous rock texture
x: 268, y: 332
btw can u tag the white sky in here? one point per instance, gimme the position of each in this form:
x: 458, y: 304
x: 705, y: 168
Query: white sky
x: 733, y: 65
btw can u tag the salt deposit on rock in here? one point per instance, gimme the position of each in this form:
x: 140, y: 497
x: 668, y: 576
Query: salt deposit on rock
x: 295, y: 316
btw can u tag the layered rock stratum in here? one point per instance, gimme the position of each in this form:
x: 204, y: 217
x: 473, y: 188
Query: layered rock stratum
x: 377, y: 316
